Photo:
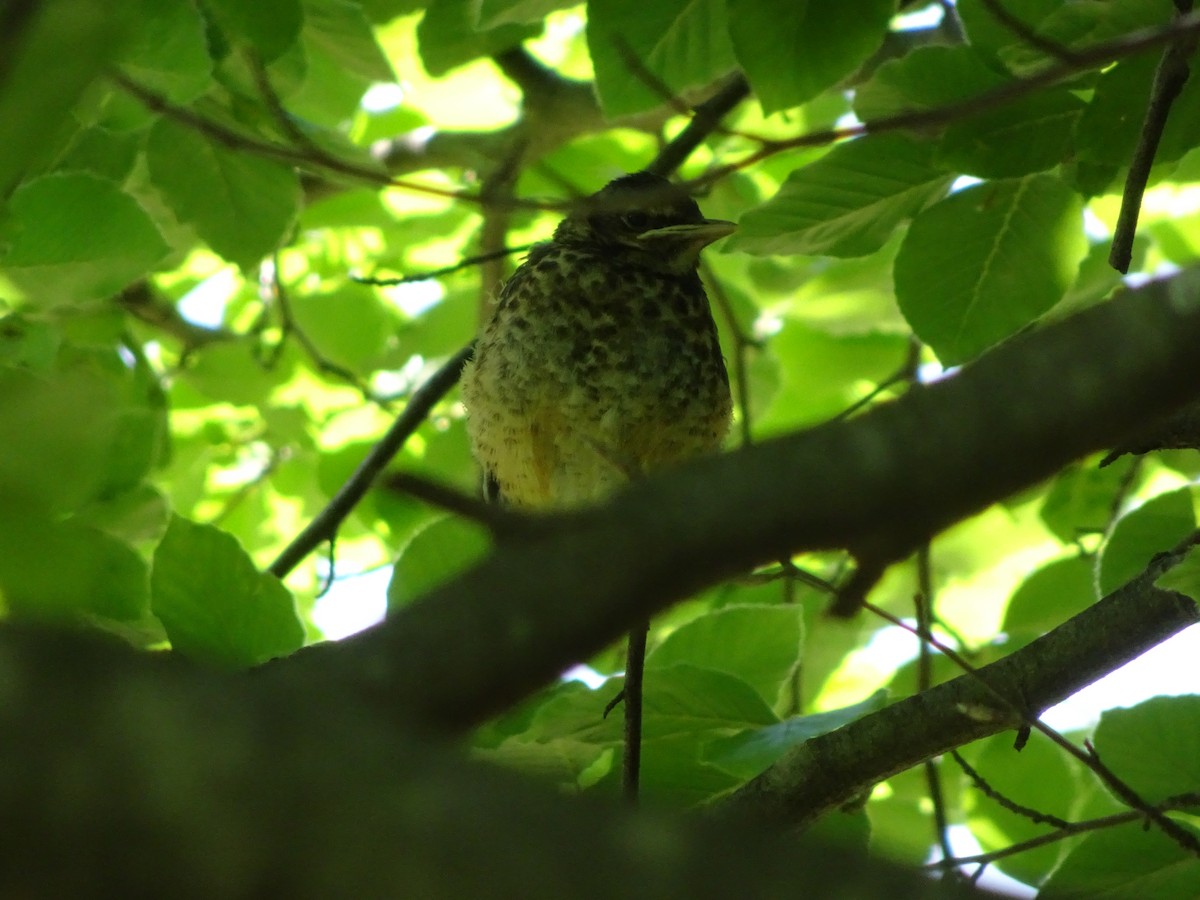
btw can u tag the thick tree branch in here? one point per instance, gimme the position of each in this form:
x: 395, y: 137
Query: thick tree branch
x: 878, y: 484
x: 137, y: 775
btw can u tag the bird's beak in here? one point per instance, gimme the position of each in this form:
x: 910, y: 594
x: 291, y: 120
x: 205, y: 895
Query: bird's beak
x: 698, y: 235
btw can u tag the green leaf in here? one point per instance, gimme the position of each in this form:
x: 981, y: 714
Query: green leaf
x: 1184, y: 576
x: 339, y: 29
x: 1110, y: 126
x: 1126, y: 862
x: 216, y: 607
x: 1017, y: 245
x: 241, y: 204
x: 926, y: 78
x: 386, y: 10
x: 1077, y: 26
x: 108, y: 154
x: 848, y: 202
x: 235, y: 373
x: 75, y: 40
x: 1154, y: 527
x: 439, y: 550
x: 674, y: 776
x: 1049, y: 597
x: 683, y: 43
x: 168, y: 50
x: 812, y: 385
x: 271, y: 26
x: 1031, y: 134
x: 52, y: 570
x: 493, y: 13
x: 991, y: 36
x: 448, y: 37
x: 1154, y: 747
x: 791, y: 51
x: 1080, y: 501
x: 759, y: 644
x: 139, y: 514
x: 76, y: 236
x: 348, y: 327
x: 56, y: 431
x: 751, y: 752
x: 678, y: 700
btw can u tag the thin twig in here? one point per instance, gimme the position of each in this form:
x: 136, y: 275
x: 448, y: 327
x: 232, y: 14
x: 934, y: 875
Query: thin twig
x: 1169, y: 78
x: 906, y: 373
x: 497, y: 519
x: 326, y: 522
x: 465, y: 263
x: 923, y: 602
x: 981, y: 785
x: 635, y: 669
x: 237, y: 140
x: 289, y: 328
x: 1027, y: 34
x: 742, y: 345
x: 1182, y: 801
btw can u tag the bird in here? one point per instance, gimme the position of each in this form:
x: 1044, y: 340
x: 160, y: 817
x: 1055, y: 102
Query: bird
x: 599, y: 365
x: 601, y: 361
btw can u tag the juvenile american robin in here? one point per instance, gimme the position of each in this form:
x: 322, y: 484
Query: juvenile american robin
x: 601, y: 361
x: 601, y: 364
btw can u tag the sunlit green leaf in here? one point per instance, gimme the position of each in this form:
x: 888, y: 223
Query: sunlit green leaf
x: 1016, y: 247
x: 1154, y: 746
x: 1125, y: 862
x: 790, y: 51
x: 168, y: 49
x: 847, y: 202
x: 271, y: 26
x: 241, y: 204
x: 449, y: 36
x: 1111, y: 125
x: 759, y: 644
x: 1031, y: 135
x: 927, y: 78
x: 1154, y: 527
x: 751, y: 752
x: 443, y: 548
x: 76, y: 236
x: 1049, y: 597
x: 216, y: 606
x: 54, y: 570
x: 682, y: 43
x: 75, y: 39
x: 1040, y: 777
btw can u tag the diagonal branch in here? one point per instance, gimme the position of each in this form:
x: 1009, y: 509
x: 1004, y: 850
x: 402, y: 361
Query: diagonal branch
x: 878, y: 484
x: 827, y: 771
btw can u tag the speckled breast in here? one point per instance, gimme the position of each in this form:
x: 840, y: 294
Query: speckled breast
x: 590, y: 374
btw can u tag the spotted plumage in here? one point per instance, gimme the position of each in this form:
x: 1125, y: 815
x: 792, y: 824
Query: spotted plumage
x: 601, y: 360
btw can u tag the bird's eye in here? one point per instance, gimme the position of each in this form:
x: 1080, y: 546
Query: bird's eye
x: 635, y: 221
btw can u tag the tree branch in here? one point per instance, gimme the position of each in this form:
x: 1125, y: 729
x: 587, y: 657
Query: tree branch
x: 827, y: 771
x: 878, y: 484
x: 1169, y: 78
x: 136, y: 775
x: 326, y: 523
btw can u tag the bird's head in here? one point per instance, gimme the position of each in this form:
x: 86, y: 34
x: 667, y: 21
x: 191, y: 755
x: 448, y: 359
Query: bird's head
x: 645, y: 221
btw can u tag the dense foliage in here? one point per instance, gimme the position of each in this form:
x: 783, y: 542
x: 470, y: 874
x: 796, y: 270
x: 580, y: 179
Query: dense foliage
x: 196, y: 197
